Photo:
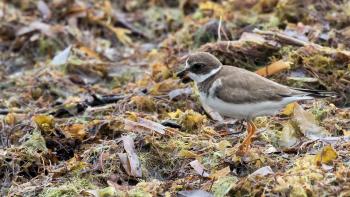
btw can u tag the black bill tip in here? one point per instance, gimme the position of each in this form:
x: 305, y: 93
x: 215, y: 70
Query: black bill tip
x: 183, y: 75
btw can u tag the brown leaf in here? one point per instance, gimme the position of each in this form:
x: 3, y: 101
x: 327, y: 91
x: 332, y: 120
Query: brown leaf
x: 44, y: 9
x: 262, y: 171
x: 194, y: 193
x: 288, y: 136
x: 199, y: 168
x: 144, y: 125
x: 179, y: 92
x: 130, y: 159
x: 220, y: 173
x: 44, y: 28
x: 75, y: 131
x: 307, y: 124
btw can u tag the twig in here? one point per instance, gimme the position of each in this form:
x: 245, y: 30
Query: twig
x: 285, y: 37
x: 219, y: 29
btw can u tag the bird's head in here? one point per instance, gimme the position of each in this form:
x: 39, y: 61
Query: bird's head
x: 200, y: 66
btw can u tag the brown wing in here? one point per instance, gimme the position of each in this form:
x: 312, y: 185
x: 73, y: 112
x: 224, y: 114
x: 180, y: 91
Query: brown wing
x: 241, y: 86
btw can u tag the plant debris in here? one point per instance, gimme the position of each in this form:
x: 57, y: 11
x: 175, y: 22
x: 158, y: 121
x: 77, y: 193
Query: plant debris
x: 90, y: 104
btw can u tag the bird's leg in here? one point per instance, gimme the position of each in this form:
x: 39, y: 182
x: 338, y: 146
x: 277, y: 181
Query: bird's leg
x: 244, y: 147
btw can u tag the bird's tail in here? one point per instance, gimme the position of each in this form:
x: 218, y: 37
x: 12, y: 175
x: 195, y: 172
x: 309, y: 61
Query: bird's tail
x: 317, y: 93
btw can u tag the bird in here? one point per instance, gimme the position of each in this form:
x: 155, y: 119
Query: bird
x: 240, y: 94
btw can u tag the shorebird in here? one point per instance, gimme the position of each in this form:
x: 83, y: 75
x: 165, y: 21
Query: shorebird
x: 240, y: 94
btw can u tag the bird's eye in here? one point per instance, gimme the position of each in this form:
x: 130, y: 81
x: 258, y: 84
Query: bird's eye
x: 196, y: 66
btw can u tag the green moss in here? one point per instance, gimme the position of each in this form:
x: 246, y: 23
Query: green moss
x: 222, y: 186
x: 35, y: 143
x: 318, y: 61
x: 137, y: 192
x: 70, y: 188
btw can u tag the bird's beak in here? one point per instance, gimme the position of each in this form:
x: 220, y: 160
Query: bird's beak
x: 182, y: 74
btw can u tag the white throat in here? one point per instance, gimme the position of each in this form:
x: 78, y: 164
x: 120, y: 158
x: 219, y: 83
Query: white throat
x: 203, y: 77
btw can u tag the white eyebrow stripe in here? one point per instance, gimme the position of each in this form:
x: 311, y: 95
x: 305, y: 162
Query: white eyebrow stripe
x: 187, y: 66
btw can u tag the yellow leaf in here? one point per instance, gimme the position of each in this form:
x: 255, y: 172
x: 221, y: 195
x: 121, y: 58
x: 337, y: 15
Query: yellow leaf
x: 44, y: 122
x: 132, y: 116
x: 176, y: 114
x: 211, y: 6
x: 121, y: 34
x: 75, y: 131
x: 89, y: 52
x: 10, y: 119
x: 273, y: 68
x: 189, y: 119
x: 220, y: 173
x: 75, y: 164
x: 289, y: 109
x: 187, y: 154
x: 326, y: 156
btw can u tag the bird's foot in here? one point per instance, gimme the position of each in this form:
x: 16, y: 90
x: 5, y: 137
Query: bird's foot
x: 243, y: 149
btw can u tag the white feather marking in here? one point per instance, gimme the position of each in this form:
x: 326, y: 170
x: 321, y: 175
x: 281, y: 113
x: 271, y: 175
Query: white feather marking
x: 201, y: 78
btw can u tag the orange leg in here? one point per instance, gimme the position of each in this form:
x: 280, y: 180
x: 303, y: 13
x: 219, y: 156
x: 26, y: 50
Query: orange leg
x: 244, y: 147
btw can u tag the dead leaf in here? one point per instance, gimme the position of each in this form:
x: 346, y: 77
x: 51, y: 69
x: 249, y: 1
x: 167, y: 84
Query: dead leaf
x: 44, y: 9
x: 75, y: 131
x: 211, y: 6
x: 189, y: 119
x: 62, y: 57
x: 288, y: 136
x: 262, y: 171
x: 289, y: 109
x: 89, y: 52
x: 194, y: 193
x: 220, y: 173
x: 273, y: 68
x: 307, y: 124
x: 252, y: 37
x: 326, y: 156
x: 120, y: 33
x: 44, y: 28
x: 179, y: 92
x: 144, y: 125
x: 10, y: 119
x: 187, y: 154
x: 199, y: 168
x: 130, y: 160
